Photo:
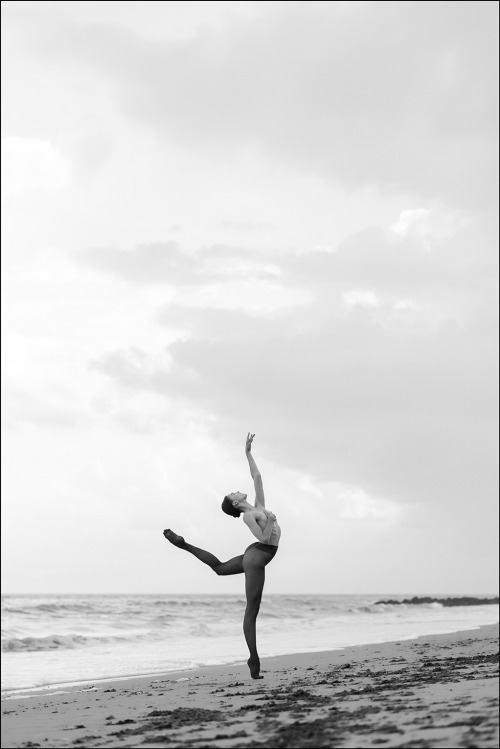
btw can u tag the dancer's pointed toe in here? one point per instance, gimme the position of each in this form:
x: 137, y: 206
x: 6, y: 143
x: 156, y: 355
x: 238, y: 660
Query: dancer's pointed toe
x: 254, y: 666
x: 174, y: 538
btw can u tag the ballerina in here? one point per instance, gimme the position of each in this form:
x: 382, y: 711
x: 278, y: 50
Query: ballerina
x: 264, y: 526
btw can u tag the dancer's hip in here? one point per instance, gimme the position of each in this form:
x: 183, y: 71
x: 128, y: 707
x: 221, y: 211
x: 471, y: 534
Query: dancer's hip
x: 266, y: 548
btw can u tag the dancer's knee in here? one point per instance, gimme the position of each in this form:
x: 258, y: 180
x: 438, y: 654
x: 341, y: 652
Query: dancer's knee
x: 252, y: 609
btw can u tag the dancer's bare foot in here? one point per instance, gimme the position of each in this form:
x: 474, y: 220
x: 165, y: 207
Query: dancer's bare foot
x: 174, y: 538
x: 254, y: 666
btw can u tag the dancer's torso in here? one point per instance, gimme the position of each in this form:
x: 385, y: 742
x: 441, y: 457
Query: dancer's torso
x: 261, y: 518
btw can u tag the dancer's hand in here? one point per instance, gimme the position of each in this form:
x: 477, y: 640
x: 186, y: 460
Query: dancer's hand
x: 269, y: 514
x: 248, y: 445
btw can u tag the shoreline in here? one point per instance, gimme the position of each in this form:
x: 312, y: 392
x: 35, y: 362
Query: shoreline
x: 433, y: 690
x: 6, y: 694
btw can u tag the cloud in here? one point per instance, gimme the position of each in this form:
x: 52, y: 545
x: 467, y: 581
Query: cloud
x: 414, y: 221
x: 363, y: 298
x: 44, y: 409
x: 350, y: 502
x: 32, y: 164
x: 448, y: 270
x: 381, y: 386
x: 221, y: 323
x: 166, y: 263
x: 217, y: 277
x: 403, y: 413
x: 355, y: 504
x: 370, y: 259
x: 405, y: 304
x: 397, y: 96
x: 148, y: 264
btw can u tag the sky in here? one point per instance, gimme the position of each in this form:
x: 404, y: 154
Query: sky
x: 275, y: 217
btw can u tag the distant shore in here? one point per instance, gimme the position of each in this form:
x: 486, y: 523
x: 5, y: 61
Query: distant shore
x: 450, y: 601
x: 436, y: 690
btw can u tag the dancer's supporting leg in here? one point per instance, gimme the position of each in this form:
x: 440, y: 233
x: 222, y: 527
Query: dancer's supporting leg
x: 254, y: 562
x: 233, y: 566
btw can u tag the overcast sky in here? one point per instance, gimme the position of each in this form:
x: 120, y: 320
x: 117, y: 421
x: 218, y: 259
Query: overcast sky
x: 276, y: 217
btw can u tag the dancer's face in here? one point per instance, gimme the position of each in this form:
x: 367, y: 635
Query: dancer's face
x: 237, y: 497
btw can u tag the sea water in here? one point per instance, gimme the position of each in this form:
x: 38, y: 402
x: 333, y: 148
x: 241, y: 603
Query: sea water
x: 55, y: 639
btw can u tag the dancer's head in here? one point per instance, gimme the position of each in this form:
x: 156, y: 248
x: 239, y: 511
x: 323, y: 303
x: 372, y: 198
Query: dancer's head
x: 232, y: 504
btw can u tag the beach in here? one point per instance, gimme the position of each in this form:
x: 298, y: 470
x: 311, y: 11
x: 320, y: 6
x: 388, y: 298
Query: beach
x: 431, y: 691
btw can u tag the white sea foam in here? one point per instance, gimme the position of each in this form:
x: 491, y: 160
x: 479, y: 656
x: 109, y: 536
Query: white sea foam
x: 55, y: 639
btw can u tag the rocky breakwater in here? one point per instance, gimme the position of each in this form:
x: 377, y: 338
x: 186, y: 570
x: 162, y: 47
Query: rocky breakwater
x: 454, y: 601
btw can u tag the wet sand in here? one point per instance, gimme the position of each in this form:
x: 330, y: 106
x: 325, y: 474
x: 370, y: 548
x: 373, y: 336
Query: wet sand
x: 434, y: 691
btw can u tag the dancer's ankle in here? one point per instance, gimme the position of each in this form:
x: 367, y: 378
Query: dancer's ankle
x: 254, y: 666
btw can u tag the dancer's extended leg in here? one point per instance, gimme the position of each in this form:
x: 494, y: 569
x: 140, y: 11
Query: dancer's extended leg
x: 233, y: 566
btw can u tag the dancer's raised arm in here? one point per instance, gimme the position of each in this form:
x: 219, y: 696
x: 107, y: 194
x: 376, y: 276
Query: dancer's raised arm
x: 255, y: 473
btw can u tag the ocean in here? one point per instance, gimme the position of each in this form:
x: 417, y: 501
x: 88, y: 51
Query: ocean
x: 61, y: 639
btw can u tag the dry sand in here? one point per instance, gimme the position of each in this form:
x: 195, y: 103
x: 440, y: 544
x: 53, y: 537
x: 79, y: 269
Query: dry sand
x: 434, y: 691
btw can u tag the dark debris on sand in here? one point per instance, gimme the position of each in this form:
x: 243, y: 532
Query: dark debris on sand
x: 350, y: 704
x: 161, y: 720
